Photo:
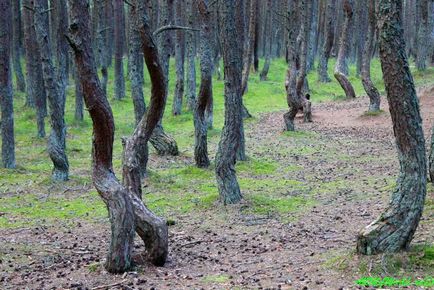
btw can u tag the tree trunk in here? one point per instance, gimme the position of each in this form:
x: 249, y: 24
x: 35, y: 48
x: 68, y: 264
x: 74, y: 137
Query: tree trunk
x: 394, y: 229
x: 268, y: 42
x: 119, y: 49
x: 370, y: 89
x: 55, y: 94
x: 6, y: 98
x: 36, y: 94
x: 135, y: 59
x: 78, y: 114
x: 341, y: 67
x: 179, y: 59
x: 191, y: 53
x: 256, y: 40
x: 423, y: 36
x: 59, y: 44
x: 127, y: 211
x: 328, y: 42
x: 227, y: 183
x: 16, y: 49
x: 102, y: 49
x: 431, y: 157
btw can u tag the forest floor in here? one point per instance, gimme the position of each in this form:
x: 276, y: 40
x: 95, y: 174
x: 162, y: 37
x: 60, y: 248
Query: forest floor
x: 307, y: 195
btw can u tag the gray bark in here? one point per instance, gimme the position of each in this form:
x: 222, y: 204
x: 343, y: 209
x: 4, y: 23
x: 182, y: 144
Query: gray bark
x: 394, y: 229
x: 191, y: 54
x: 328, y: 43
x: 179, y: 59
x: 16, y: 49
x: 119, y: 49
x: 268, y: 41
x: 423, y: 36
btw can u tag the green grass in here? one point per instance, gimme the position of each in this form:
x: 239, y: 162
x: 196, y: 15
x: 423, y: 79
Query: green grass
x: 28, y: 197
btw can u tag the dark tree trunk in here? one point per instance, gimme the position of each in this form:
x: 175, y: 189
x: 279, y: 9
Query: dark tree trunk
x: 370, y: 89
x: 102, y: 49
x: 179, y: 59
x: 303, y: 37
x: 431, y: 157
x: 191, y: 53
x: 341, y: 67
x: 423, y: 36
x: 205, y: 92
x: 135, y: 58
x: 36, y: 95
x: 78, y: 114
x: 55, y: 95
x: 268, y: 41
x: 59, y: 44
x: 394, y: 229
x: 329, y: 36
x: 6, y: 98
x: 119, y: 49
x: 313, y: 36
x: 16, y: 49
x: 126, y: 210
x: 256, y: 40
x: 227, y: 183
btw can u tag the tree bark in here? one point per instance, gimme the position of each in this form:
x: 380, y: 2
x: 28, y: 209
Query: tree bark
x: 341, y: 67
x: 227, y: 183
x: 6, y: 98
x: 127, y: 211
x: 179, y: 59
x: 431, y: 157
x: 368, y: 85
x: 268, y: 41
x: 423, y: 37
x: 55, y: 94
x: 205, y: 92
x: 328, y: 42
x: 102, y: 49
x: 191, y: 62
x: 119, y: 49
x: 394, y: 229
x: 78, y: 114
x: 36, y: 94
x: 16, y: 49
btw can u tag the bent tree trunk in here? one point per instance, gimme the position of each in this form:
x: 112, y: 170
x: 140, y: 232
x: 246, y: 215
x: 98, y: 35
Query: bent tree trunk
x: 341, y: 62
x: 126, y: 210
x: 56, y: 97
x: 205, y: 92
x: 227, y: 183
x: 394, y: 229
x: 329, y: 35
x: 368, y: 85
x: 6, y: 99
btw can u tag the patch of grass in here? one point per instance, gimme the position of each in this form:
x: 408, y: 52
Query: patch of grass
x: 257, y: 167
x: 373, y: 113
x: 216, y: 279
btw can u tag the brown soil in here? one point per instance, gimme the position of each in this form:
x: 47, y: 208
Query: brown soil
x: 224, y: 248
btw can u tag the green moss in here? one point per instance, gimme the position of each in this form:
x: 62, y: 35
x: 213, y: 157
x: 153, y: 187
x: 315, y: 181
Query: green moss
x: 216, y: 279
x: 373, y: 113
x: 257, y: 167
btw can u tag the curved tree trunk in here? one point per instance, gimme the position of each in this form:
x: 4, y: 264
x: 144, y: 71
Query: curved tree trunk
x: 16, y: 49
x: 227, y: 183
x: 127, y: 211
x: 119, y: 49
x: 179, y: 60
x: 370, y: 89
x: 341, y: 67
x: 394, y: 229
x: 423, y: 37
x: 329, y: 35
x: 6, y: 98
x: 205, y: 92
x: 55, y: 94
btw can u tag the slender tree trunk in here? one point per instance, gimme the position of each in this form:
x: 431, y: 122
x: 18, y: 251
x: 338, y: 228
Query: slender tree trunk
x: 119, y: 49
x: 16, y: 49
x: 135, y: 58
x: 256, y: 40
x: 431, y: 157
x: 36, y: 94
x: 6, y: 98
x: 103, y: 32
x: 423, y: 36
x: 341, y: 67
x: 78, y: 114
x: 56, y: 97
x: 394, y: 229
x: 268, y: 41
x: 370, y: 89
x: 228, y: 187
x: 191, y: 53
x: 179, y: 59
x: 126, y: 210
x: 328, y: 42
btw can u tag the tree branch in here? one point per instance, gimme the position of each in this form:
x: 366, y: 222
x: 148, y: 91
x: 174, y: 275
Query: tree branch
x: 172, y: 27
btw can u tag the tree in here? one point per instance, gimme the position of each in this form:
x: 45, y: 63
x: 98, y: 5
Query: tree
x: 341, y: 67
x: 423, y: 37
x: 102, y: 40
x: 370, y: 89
x: 205, y: 92
x: 36, y: 94
x: 394, y: 229
x: 227, y: 183
x: 55, y: 94
x: 329, y: 31
x: 126, y: 210
x: 179, y: 59
x: 268, y: 41
x: 16, y: 49
x: 119, y: 49
x: 191, y: 60
x: 6, y: 98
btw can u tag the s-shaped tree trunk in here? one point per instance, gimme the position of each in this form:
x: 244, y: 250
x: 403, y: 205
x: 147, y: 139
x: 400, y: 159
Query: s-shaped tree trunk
x: 341, y: 62
x: 368, y: 85
x: 126, y: 210
x: 394, y: 229
x: 227, y: 183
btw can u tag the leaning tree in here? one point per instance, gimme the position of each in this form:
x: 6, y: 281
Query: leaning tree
x: 394, y: 229
x: 123, y: 200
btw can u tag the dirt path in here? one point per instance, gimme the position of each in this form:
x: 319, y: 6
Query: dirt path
x: 346, y: 159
